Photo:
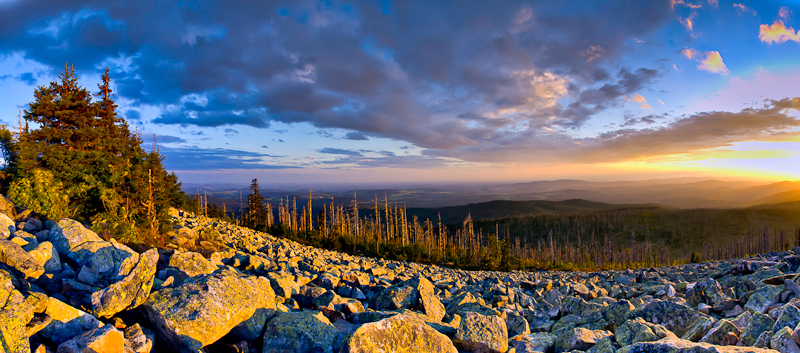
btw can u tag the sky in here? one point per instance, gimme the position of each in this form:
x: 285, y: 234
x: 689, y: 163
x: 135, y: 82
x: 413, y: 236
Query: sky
x: 430, y: 91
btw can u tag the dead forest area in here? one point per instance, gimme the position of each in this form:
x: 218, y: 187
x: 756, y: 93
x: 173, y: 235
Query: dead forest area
x: 628, y: 236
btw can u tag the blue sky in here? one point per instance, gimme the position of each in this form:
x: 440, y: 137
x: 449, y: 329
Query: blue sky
x: 430, y: 91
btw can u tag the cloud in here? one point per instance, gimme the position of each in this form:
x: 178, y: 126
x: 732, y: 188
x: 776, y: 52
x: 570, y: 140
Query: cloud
x: 592, y: 52
x: 402, y: 71
x: 784, y: 12
x: 356, y: 136
x: 195, y: 158
x: 713, y: 63
x: 688, y: 21
x: 713, y: 3
x: 690, y: 53
x: 639, y: 99
x: 698, y: 132
x: 777, y: 33
x: 740, y: 9
x: 345, y: 152
x: 389, y: 160
x: 677, y: 3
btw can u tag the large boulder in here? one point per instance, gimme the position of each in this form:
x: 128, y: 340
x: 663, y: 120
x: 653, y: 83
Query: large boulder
x: 103, y: 339
x: 763, y: 298
x: 582, y: 339
x: 46, y: 255
x: 192, y: 263
x: 131, y: 291
x: 677, y: 318
x: 534, y: 342
x: 203, y: 309
x: 67, y: 322
x: 68, y: 234
x: 13, y: 255
x: 7, y: 226
x: 399, y: 333
x: 14, y: 316
x: 305, y: 331
x: 481, y: 333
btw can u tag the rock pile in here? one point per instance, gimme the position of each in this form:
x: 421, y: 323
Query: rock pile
x: 65, y: 289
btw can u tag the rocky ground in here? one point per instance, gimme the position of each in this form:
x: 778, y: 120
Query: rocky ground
x: 64, y: 289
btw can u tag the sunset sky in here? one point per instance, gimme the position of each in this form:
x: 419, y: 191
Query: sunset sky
x: 430, y: 91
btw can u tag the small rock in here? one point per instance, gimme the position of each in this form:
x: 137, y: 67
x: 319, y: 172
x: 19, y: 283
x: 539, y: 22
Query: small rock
x: 480, y: 333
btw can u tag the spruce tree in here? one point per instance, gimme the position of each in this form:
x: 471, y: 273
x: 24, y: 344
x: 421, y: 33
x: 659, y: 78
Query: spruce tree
x: 256, y: 211
x: 108, y: 177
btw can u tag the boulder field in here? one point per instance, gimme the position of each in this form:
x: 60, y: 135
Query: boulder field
x: 65, y: 289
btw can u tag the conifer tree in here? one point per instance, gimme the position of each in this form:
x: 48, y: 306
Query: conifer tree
x: 109, y: 179
x: 256, y: 211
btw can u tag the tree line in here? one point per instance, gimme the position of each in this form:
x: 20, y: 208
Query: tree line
x: 622, y: 238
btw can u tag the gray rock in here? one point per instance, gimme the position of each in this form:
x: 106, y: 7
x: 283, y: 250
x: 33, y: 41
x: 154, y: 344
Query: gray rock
x: 13, y: 255
x: 67, y: 322
x: 788, y: 317
x: 131, y: 291
x: 719, y: 331
x: 399, y: 333
x: 103, y: 339
x: 305, y: 331
x: 480, y: 333
x: 583, y: 339
x: 46, y: 255
x: 782, y: 341
x: 675, y: 317
x: 763, y: 298
x: 192, y: 263
x: 534, y: 342
x: 674, y: 345
x: 205, y: 308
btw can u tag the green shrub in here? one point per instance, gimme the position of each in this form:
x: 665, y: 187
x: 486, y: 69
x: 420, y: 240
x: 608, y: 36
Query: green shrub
x: 42, y: 193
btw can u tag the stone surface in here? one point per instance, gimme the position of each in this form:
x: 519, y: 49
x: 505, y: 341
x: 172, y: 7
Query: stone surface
x: 305, y: 331
x: 399, y: 333
x: 103, y: 339
x: 674, y: 345
x: 192, y: 263
x: 67, y: 322
x: 481, y: 333
x: 46, y: 256
x: 131, y: 291
x: 205, y: 308
x: 13, y: 255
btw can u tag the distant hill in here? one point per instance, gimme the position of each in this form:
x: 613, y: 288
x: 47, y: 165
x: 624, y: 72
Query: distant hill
x: 504, y: 209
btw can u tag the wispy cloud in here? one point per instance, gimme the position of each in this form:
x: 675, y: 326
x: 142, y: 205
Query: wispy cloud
x: 777, y: 33
x: 741, y: 9
x: 639, y: 99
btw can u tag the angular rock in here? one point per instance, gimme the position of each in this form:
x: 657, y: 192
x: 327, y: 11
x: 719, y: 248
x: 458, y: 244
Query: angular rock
x: 719, y: 331
x: 698, y: 328
x: 131, y: 291
x: 583, y: 339
x: 400, y: 333
x: 7, y: 226
x: 68, y: 234
x: 137, y: 340
x: 674, y: 345
x: 782, y: 341
x: 789, y: 317
x: 14, y: 316
x: 13, y: 255
x: 46, y: 256
x: 396, y: 297
x: 283, y: 283
x: 205, y: 308
x: 428, y: 301
x: 480, y: 333
x: 677, y: 318
x: 192, y: 263
x: 762, y: 298
x: 634, y: 331
x: 534, y: 342
x: 517, y: 325
x: 103, y: 339
x: 67, y: 322
x: 305, y: 331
